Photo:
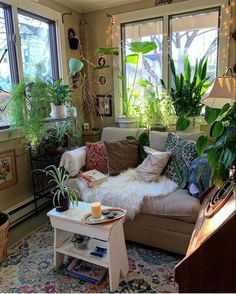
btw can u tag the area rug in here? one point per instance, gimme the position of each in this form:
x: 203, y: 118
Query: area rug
x: 29, y: 268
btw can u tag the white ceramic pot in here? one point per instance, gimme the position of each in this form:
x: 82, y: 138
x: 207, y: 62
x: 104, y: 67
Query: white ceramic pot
x: 58, y: 111
x: 127, y: 122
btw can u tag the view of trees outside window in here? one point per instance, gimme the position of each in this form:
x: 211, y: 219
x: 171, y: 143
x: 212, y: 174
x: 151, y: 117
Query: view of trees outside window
x: 35, y: 46
x: 5, y: 76
x: 150, y: 67
x: 197, y: 36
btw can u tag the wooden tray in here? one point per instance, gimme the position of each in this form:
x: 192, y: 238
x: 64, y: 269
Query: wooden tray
x: 88, y: 219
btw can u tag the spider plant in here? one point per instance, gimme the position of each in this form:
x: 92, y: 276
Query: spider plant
x: 59, y: 176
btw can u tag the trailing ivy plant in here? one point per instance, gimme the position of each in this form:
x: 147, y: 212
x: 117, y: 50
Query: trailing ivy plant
x: 221, y: 155
x: 187, y: 91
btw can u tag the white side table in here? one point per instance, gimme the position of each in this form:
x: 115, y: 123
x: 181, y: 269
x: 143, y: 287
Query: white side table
x: 110, y: 236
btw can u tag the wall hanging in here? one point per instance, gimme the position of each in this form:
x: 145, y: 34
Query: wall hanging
x: 8, y: 175
x: 73, y: 39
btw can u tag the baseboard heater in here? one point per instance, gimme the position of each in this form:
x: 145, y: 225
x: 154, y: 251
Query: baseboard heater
x: 26, y: 208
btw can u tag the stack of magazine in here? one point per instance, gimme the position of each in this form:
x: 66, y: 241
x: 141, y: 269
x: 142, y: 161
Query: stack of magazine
x: 85, y: 271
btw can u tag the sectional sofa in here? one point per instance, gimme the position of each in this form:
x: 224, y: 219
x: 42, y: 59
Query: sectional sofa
x: 166, y: 223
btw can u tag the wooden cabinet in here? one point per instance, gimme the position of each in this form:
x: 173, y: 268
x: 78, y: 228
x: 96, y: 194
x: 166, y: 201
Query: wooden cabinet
x: 210, y: 262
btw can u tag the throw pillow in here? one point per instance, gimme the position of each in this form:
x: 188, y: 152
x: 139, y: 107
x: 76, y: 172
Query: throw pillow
x: 152, y: 166
x: 182, y: 154
x: 121, y: 155
x: 96, y: 157
x: 198, y: 184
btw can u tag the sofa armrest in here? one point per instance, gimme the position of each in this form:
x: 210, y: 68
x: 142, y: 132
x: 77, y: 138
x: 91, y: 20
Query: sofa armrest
x: 74, y: 160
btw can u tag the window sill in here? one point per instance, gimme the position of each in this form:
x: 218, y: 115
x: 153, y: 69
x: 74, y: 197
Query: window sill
x: 8, y: 135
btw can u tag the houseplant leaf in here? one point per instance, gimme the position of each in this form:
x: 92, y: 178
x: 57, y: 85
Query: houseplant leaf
x: 132, y: 58
x: 143, y: 47
x: 228, y: 157
x: 201, y: 145
x: 182, y: 124
x: 211, y: 114
x: 107, y: 51
x: 217, y: 129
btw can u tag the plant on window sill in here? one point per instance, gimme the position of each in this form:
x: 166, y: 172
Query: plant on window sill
x: 188, y: 90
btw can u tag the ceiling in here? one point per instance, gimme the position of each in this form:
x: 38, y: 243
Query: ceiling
x: 92, y: 5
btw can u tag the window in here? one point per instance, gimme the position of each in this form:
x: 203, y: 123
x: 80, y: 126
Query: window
x: 196, y: 35
x: 150, y: 68
x: 7, y: 76
x: 38, y: 47
x: 38, y: 54
x: 197, y: 28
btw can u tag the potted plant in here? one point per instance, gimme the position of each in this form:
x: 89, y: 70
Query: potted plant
x: 28, y: 108
x: 131, y: 96
x: 59, y: 95
x: 187, y: 91
x: 221, y: 154
x: 63, y: 195
x: 4, y: 226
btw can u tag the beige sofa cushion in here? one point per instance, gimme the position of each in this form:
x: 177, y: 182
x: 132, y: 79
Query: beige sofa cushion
x: 158, y: 139
x: 116, y: 134
x: 179, y: 205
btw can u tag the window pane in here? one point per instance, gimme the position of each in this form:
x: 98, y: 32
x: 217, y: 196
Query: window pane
x: 5, y: 74
x: 150, y: 67
x: 197, y: 36
x: 35, y: 46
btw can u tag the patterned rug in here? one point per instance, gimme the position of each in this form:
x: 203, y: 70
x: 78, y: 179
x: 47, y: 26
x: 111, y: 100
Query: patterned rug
x: 29, y: 268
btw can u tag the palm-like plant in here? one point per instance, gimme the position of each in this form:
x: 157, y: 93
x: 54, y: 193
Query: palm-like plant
x: 188, y: 89
x: 59, y: 176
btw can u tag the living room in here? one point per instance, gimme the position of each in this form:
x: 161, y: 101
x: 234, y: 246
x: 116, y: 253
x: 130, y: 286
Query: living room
x: 142, y: 91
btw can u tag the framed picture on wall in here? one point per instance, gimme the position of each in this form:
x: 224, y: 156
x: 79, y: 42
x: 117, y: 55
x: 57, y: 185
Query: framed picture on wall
x: 8, y: 174
x: 104, y: 104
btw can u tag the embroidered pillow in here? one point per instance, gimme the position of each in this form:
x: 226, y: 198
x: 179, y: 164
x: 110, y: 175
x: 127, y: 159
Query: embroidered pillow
x: 182, y: 154
x: 96, y: 157
x: 152, y: 166
x: 121, y: 155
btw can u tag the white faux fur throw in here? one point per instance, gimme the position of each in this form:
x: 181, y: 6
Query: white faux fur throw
x: 126, y: 191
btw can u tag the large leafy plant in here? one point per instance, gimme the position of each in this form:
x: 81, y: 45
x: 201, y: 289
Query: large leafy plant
x: 187, y: 90
x: 59, y: 93
x: 221, y: 153
x: 28, y: 108
x: 131, y: 93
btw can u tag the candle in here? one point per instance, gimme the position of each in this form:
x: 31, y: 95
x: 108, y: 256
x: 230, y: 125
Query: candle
x: 96, y: 209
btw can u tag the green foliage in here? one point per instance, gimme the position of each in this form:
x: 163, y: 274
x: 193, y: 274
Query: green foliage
x: 182, y: 123
x: 221, y: 154
x: 28, y: 107
x: 188, y: 89
x: 59, y: 176
x: 58, y: 93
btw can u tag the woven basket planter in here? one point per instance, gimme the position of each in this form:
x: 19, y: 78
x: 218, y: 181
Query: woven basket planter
x: 4, y: 226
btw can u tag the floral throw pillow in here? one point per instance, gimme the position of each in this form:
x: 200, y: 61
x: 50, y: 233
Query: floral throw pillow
x: 182, y: 154
x: 96, y: 157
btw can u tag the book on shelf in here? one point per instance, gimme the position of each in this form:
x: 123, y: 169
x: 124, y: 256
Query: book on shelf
x: 92, y: 177
x: 85, y: 271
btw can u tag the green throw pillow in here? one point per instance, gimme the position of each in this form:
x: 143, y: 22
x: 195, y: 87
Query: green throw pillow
x: 182, y: 154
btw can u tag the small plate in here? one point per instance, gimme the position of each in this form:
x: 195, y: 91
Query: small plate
x: 88, y: 219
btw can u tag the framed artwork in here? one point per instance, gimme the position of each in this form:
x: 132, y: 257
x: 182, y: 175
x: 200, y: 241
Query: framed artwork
x: 8, y: 175
x: 104, y: 105
x: 102, y: 80
x: 102, y: 61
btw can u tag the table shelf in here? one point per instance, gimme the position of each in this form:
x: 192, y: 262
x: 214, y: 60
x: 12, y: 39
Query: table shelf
x: 68, y: 248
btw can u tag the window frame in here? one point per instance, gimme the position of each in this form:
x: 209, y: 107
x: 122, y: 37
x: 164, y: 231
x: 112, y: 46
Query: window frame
x: 12, y: 7
x: 166, y: 11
